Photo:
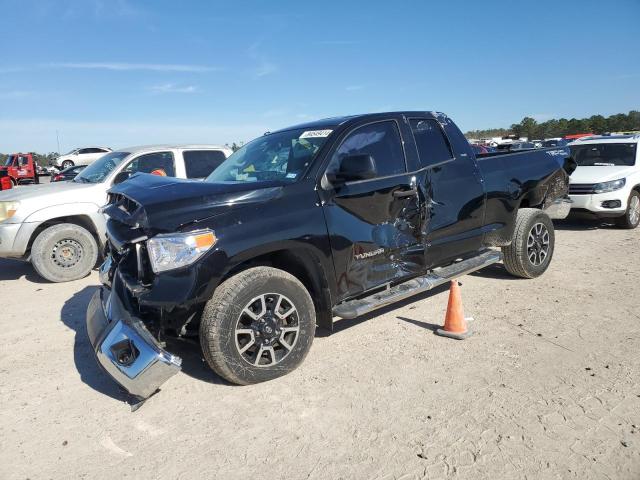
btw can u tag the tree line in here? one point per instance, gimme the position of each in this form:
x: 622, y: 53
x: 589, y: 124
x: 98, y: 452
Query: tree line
x: 530, y: 128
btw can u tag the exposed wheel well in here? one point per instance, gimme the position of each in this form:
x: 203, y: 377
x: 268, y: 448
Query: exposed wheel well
x: 80, y: 220
x: 301, y: 265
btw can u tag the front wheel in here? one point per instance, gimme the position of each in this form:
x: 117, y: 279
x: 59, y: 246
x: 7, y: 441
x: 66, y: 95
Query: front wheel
x: 64, y: 252
x: 631, y: 217
x: 259, y: 325
x: 532, y: 244
x: 66, y: 164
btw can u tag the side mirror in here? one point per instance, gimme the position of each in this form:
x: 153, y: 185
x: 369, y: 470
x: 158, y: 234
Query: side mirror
x: 121, y: 177
x: 354, y: 168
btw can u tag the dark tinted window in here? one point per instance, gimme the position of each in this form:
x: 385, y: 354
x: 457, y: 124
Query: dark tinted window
x: 381, y: 140
x: 200, y: 163
x: 160, y: 163
x: 604, y: 154
x: 432, y: 145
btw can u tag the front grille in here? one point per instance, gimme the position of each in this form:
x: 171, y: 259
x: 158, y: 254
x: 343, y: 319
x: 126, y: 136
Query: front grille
x: 581, y: 188
x: 124, y: 203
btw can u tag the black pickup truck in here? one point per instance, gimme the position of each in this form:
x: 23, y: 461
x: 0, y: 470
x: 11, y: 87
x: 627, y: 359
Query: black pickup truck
x: 328, y: 219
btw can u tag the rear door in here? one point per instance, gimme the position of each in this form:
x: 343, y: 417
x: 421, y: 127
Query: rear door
x: 455, y: 191
x: 198, y: 164
x: 374, y: 225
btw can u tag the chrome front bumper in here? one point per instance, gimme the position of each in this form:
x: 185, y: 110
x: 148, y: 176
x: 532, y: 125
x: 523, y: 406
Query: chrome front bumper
x: 559, y: 209
x: 125, y: 348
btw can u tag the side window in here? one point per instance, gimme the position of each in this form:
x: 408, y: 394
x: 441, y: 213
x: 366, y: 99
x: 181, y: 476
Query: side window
x: 432, y: 145
x: 381, y: 140
x: 200, y: 163
x: 83, y: 151
x: 159, y: 163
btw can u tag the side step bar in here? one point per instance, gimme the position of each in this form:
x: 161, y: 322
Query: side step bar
x: 355, y: 308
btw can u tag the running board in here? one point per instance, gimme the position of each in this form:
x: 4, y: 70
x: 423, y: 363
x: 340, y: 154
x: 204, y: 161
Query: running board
x: 355, y: 308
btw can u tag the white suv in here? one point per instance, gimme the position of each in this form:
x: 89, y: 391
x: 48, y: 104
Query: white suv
x: 79, y: 156
x: 606, y: 183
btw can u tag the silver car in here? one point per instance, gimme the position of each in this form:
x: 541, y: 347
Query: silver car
x: 59, y: 228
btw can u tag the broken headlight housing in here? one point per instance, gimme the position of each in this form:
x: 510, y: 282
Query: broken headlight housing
x: 175, y: 250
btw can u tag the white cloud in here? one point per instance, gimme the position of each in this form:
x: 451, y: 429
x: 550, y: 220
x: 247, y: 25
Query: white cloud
x: 354, y: 88
x: 173, y: 88
x: 39, y: 135
x: 119, y: 66
x: 265, y: 68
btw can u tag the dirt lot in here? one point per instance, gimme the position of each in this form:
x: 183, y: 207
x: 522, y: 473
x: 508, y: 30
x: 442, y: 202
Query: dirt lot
x: 547, y: 387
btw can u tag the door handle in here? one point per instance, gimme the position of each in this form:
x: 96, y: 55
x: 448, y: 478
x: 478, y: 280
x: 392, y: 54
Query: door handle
x: 405, y: 193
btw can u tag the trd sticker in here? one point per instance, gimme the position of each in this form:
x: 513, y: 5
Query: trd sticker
x: 373, y: 253
x: 316, y: 133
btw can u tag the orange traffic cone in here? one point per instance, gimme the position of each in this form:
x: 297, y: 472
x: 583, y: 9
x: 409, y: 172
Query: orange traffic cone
x: 455, y: 325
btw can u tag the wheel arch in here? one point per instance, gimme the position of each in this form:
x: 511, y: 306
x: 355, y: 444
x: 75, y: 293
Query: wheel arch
x: 83, y: 221
x: 303, y: 264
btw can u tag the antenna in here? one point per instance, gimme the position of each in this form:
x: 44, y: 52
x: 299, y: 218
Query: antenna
x: 58, y: 142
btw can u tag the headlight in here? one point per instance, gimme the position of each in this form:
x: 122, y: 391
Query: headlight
x: 8, y: 210
x: 167, y: 252
x: 605, y: 187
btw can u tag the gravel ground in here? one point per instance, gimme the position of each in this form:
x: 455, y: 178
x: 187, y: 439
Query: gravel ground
x: 548, y: 386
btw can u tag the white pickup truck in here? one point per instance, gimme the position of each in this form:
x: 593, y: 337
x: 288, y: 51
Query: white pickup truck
x: 606, y: 182
x: 59, y: 226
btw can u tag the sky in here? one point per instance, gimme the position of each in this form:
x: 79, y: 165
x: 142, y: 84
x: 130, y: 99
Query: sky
x: 123, y: 72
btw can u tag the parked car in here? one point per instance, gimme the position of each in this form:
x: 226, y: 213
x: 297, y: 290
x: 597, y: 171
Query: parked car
x: 554, y: 142
x: 331, y: 218
x: 79, y: 156
x: 477, y: 149
x: 68, y: 173
x: 606, y: 183
x: 59, y: 226
x: 21, y: 168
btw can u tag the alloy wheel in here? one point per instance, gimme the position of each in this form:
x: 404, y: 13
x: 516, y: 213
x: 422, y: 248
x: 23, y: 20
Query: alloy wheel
x: 267, y: 330
x: 538, y: 242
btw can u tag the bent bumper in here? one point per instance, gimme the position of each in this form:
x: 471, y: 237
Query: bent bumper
x: 559, y: 209
x: 125, y: 348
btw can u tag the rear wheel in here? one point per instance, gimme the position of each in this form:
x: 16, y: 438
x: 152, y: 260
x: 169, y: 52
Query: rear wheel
x: 532, y: 244
x: 631, y: 217
x: 64, y: 252
x: 259, y: 325
x: 66, y: 164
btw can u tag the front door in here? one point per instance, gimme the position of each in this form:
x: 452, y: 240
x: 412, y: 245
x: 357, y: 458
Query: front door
x: 374, y: 225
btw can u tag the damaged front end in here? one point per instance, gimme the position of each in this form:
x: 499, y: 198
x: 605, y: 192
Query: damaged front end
x: 124, y: 347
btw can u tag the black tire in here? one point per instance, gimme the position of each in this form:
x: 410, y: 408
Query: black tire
x: 518, y: 255
x: 225, y: 311
x: 631, y: 217
x: 64, y: 252
x: 66, y: 164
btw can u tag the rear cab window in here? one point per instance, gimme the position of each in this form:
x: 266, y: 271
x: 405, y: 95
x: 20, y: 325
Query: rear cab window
x: 200, y: 163
x: 433, y: 147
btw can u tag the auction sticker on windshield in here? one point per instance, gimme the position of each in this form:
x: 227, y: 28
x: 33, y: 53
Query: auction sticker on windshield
x: 316, y: 133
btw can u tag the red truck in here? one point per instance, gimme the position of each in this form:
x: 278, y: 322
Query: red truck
x: 21, y: 168
x: 5, y: 181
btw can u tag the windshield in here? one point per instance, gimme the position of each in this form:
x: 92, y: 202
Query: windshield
x: 70, y: 152
x: 101, y: 168
x: 604, y: 154
x: 9, y: 161
x: 280, y: 156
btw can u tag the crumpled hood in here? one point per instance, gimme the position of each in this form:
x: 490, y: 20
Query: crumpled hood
x: 598, y: 174
x: 168, y: 203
